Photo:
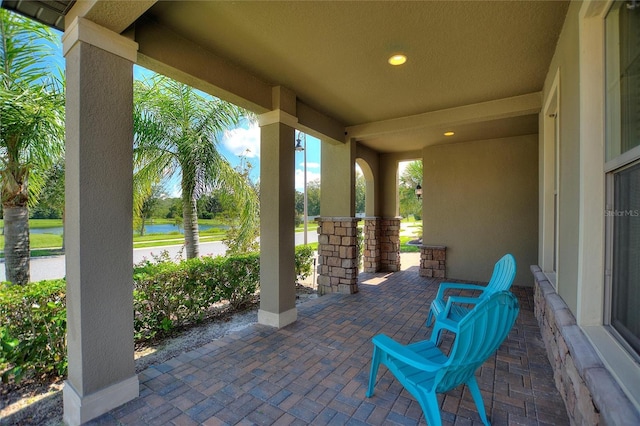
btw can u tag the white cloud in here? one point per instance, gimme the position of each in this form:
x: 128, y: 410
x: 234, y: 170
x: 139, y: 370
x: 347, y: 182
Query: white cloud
x: 402, y: 165
x: 311, y: 176
x: 242, y: 141
x: 310, y: 165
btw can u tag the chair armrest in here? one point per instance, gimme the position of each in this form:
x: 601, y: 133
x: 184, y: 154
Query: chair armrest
x: 446, y: 312
x: 447, y: 324
x: 457, y: 286
x: 463, y: 299
x: 404, y: 354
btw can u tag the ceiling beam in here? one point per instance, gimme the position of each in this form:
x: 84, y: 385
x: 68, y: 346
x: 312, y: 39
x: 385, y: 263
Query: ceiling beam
x: 113, y: 15
x: 319, y: 125
x: 166, y: 52
x: 485, y: 111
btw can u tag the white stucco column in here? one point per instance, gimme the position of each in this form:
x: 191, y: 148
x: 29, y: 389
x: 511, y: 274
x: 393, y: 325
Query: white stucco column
x: 98, y: 221
x: 277, y: 225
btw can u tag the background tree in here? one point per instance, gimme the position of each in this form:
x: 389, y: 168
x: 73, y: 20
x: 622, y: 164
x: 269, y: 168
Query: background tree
x: 31, y: 129
x: 51, y: 200
x: 313, y: 198
x: 361, y: 191
x: 177, y: 130
x: 209, y: 206
x: 235, y: 244
x: 169, y: 207
x: 410, y: 178
x: 148, y: 207
x: 299, y: 203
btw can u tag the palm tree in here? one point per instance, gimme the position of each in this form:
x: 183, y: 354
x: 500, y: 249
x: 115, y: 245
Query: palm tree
x: 31, y: 129
x: 177, y: 130
x: 411, y: 177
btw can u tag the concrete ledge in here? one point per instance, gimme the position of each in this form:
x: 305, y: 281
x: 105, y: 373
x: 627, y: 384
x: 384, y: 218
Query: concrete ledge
x: 433, y: 247
x: 615, y: 408
x: 590, y: 392
x: 337, y: 219
x: 277, y: 320
x: 80, y: 409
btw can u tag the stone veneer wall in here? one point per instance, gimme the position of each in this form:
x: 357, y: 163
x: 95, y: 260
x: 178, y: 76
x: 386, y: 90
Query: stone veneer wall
x: 590, y: 393
x: 371, y: 245
x: 337, y: 255
x: 389, y: 244
x: 433, y: 261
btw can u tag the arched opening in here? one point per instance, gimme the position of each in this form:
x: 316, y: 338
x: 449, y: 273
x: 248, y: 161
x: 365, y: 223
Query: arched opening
x: 365, y: 189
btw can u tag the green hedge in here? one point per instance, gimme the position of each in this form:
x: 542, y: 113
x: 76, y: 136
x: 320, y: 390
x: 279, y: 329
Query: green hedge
x: 166, y: 295
x: 304, y: 261
x: 33, y: 329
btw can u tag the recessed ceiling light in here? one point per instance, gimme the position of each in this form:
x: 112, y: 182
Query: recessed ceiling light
x: 449, y: 133
x: 398, y: 59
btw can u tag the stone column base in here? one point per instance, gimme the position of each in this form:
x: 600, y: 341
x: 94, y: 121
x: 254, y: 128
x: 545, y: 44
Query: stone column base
x: 390, y: 244
x: 433, y: 261
x: 337, y: 255
x: 80, y: 409
x: 277, y: 320
x: 371, y: 252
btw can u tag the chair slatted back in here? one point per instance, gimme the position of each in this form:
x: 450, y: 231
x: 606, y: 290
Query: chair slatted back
x: 479, y: 335
x: 504, y: 272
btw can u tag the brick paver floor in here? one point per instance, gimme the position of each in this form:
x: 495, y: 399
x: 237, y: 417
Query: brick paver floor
x: 315, y: 371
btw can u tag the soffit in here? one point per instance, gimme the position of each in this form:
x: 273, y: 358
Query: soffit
x: 333, y: 54
x: 48, y: 12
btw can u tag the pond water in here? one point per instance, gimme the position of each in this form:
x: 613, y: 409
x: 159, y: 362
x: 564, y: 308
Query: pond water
x: 149, y: 229
x: 55, y: 231
x: 167, y: 228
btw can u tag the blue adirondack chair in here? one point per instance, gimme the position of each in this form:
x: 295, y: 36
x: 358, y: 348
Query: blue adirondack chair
x: 424, y: 370
x: 453, y: 307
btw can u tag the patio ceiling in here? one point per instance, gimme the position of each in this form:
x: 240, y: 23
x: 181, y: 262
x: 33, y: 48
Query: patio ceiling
x: 474, y: 67
x: 333, y: 55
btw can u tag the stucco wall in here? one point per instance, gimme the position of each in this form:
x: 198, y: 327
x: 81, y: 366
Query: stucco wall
x: 566, y: 59
x: 368, y: 160
x: 481, y: 201
x: 389, y: 199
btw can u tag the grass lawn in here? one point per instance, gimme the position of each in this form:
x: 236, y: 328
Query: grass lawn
x: 159, y: 240
x: 41, y: 223
x: 406, y: 248
x: 51, y: 244
x: 38, y: 241
x: 311, y: 226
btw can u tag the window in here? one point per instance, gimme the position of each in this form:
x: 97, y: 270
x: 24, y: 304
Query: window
x: 622, y: 26
x: 625, y: 315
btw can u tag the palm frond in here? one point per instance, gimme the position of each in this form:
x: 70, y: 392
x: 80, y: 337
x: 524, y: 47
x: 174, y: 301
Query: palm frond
x: 178, y: 128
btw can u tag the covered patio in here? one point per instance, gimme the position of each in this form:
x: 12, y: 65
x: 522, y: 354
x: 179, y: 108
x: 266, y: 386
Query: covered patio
x: 315, y: 371
x: 522, y: 135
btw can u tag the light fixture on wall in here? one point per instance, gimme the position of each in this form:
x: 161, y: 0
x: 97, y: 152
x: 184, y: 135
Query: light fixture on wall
x: 419, y: 191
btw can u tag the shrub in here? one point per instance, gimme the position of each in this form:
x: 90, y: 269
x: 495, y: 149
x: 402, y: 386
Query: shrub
x: 169, y: 295
x: 304, y: 261
x: 238, y: 277
x: 33, y: 330
x: 166, y: 294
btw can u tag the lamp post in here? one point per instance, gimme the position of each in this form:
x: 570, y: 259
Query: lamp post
x: 300, y: 147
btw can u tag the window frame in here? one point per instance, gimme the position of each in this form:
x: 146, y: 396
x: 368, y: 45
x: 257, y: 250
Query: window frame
x: 612, y: 167
x: 592, y: 274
